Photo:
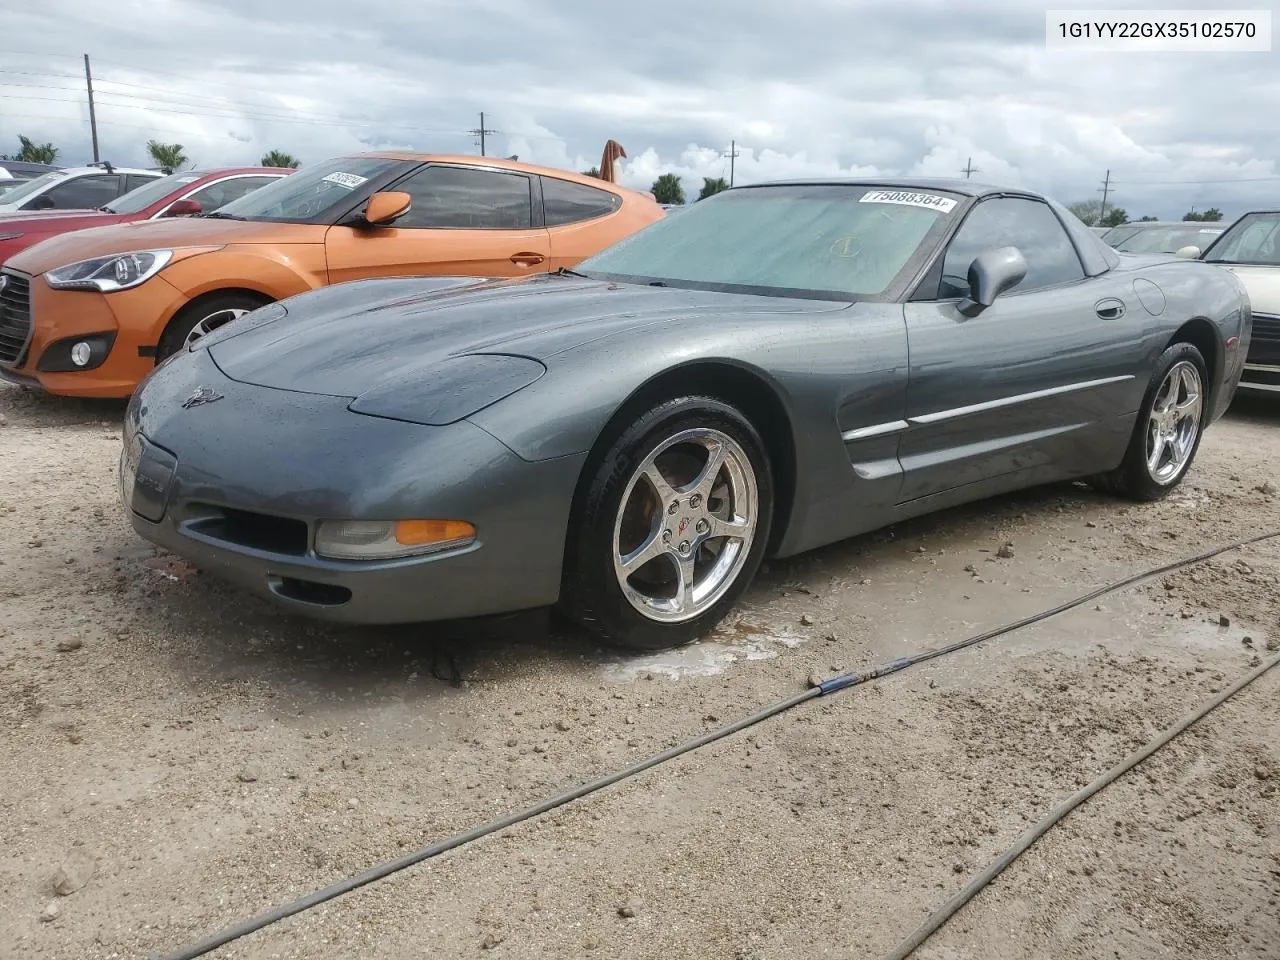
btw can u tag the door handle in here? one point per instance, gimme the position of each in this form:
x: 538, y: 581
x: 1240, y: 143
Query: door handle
x: 527, y: 259
x: 1109, y: 309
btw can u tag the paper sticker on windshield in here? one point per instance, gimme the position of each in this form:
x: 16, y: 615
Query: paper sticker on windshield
x: 930, y: 200
x: 348, y: 180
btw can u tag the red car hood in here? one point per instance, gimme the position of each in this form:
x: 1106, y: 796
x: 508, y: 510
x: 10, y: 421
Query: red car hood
x: 58, y: 221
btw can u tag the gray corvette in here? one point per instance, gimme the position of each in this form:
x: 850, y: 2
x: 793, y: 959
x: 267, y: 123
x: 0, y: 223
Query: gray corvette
x: 777, y: 368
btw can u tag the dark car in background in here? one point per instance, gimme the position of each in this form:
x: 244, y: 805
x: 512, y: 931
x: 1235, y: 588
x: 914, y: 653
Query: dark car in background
x: 75, y: 188
x: 179, y: 195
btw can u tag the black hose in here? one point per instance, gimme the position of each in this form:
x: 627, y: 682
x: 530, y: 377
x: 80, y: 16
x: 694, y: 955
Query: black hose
x: 1034, y: 833
x: 832, y: 685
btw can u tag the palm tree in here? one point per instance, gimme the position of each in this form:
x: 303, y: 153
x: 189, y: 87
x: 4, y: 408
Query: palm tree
x: 33, y: 152
x: 278, y: 158
x: 711, y: 186
x: 668, y: 189
x: 168, y: 156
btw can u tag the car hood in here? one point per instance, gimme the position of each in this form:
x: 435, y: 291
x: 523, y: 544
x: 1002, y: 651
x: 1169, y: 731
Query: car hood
x: 342, y: 340
x: 55, y: 221
x: 1262, y: 283
x: 158, y: 235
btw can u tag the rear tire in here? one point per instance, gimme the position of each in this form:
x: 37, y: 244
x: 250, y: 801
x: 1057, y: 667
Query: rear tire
x: 204, y: 315
x: 671, y: 526
x: 1167, y: 433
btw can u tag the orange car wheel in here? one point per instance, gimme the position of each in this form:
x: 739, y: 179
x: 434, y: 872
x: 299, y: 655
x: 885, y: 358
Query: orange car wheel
x: 204, y: 315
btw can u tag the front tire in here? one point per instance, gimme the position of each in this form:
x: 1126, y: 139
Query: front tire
x: 203, y: 316
x: 1170, y: 424
x: 671, y: 526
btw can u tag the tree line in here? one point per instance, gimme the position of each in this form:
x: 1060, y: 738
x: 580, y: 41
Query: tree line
x: 169, y: 157
x: 668, y: 188
x: 1090, y: 213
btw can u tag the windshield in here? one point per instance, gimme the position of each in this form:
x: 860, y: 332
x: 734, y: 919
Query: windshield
x: 31, y: 187
x: 8, y: 186
x: 1254, y: 238
x: 1166, y: 239
x: 829, y: 242
x: 1118, y: 234
x: 314, y: 193
x: 149, y: 193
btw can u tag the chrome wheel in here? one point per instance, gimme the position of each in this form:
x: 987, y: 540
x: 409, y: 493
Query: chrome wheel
x: 1174, y: 423
x: 212, y: 322
x: 685, y: 526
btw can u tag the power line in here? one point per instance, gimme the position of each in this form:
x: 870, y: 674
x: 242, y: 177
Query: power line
x: 1106, y: 187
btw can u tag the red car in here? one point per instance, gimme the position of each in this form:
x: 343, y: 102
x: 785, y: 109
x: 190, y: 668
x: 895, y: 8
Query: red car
x: 179, y: 195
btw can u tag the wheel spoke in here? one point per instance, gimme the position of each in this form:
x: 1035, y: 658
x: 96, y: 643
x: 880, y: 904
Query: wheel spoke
x: 733, y: 529
x: 706, y: 478
x: 651, y: 549
x: 1189, y: 408
x: 684, y: 587
x: 661, y: 488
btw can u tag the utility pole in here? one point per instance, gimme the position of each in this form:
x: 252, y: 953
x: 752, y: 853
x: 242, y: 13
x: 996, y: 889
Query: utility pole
x: 480, y: 132
x: 93, y: 120
x: 970, y: 169
x: 1106, y: 188
x: 732, y: 155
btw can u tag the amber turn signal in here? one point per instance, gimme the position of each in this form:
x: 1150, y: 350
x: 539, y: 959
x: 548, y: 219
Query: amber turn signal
x: 416, y: 533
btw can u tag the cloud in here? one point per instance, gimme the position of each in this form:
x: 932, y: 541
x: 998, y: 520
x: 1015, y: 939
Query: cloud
x: 811, y: 89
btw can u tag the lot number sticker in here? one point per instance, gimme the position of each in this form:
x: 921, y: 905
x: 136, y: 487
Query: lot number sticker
x: 348, y: 180
x: 941, y: 204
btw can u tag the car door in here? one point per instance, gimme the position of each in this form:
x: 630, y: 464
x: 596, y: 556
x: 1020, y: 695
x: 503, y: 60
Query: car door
x: 1039, y: 382
x: 467, y: 221
x: 79, y: 193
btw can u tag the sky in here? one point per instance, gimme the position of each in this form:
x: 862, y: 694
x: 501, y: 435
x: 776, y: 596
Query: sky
x: 809, y: 88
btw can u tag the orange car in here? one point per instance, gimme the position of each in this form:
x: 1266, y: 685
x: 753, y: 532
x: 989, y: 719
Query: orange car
x: 90, y: 313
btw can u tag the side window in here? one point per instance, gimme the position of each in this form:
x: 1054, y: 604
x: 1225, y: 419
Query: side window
x: 216, y: 195
x: 82, y: 193
x: 135, y: 180
x: 1007, y: 221
x: 461, y: 198
x: 564, y: 202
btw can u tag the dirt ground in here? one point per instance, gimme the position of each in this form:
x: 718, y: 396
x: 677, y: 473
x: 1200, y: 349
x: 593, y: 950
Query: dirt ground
x: 177, y: 757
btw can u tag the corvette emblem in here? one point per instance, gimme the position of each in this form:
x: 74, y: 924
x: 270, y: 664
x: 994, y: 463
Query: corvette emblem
x: 201, y: 395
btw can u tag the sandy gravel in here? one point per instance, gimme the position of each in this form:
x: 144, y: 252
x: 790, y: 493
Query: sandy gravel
x: 178, y: 756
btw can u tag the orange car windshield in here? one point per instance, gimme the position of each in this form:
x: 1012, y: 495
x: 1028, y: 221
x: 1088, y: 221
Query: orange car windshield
x: 320, y: 193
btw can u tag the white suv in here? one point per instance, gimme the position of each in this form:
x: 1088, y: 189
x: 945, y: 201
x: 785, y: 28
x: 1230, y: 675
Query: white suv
x: 76, y: 188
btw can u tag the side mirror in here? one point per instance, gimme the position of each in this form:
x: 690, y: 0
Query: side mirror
x: 385, y: 208
x: 1189, y: 252
x: 184, y: 208
x: 991, y: 274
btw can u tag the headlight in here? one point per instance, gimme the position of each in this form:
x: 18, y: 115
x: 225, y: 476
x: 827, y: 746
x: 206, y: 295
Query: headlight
x: 106, y: 274
x: 389, y: 539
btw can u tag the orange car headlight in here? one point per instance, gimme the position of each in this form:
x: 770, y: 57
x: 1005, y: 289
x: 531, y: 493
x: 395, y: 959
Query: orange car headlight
x: 389, y: 539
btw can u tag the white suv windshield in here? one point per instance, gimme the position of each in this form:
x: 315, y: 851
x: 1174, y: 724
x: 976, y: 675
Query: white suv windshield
x: 32, y: 187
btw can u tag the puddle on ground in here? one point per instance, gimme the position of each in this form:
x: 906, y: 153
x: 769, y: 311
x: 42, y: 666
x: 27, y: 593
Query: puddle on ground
x: 733, y: 643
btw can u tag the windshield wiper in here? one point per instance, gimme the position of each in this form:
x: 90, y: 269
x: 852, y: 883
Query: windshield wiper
x: 222, y: 216
x: 105, y: 208
x: 566, y: 272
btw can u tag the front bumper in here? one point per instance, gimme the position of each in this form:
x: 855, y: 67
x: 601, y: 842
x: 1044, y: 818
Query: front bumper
x: 237, y: 485
x: 134, y: 317
x: 1262, y: 366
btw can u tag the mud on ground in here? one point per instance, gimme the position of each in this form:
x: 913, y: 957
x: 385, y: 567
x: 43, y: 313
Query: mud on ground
x: 178, y: 756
